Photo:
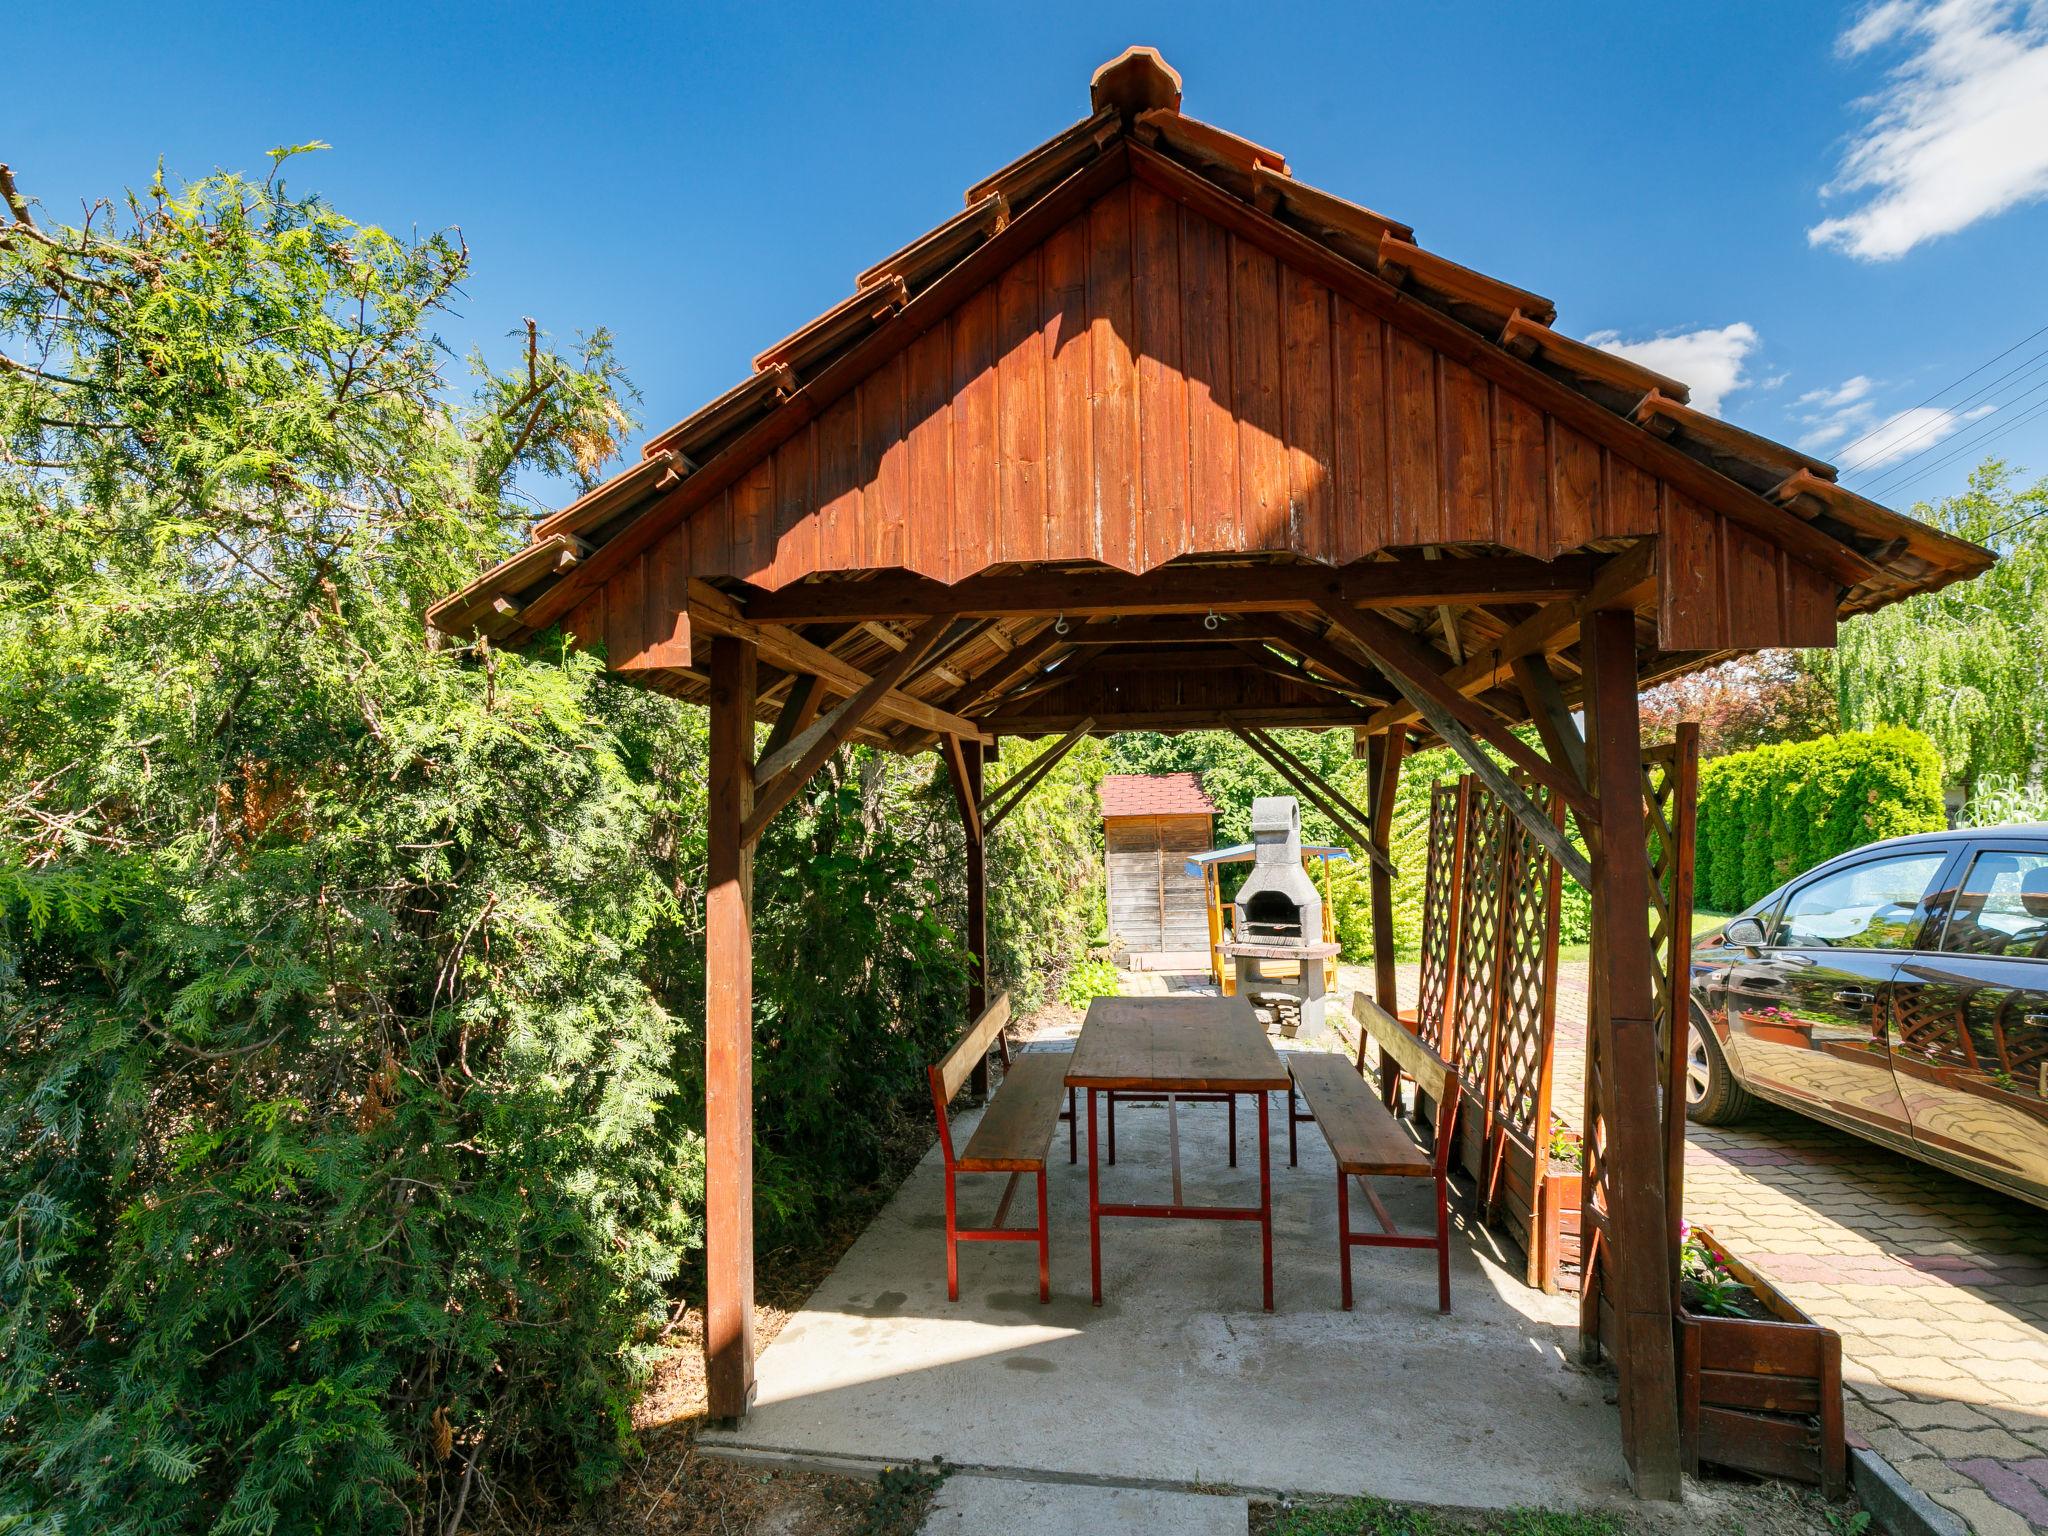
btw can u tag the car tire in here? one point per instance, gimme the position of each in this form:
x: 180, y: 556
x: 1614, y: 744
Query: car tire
x: 1712, y: 1096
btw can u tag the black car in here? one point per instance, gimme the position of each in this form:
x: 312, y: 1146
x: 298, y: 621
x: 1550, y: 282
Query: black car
x: 1899, y: 992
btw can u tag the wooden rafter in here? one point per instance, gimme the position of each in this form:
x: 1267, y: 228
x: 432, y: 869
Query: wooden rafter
x: 1013, y: 792
x: 775, y: 784
x: 716, y: 613
x: 1627, y: 580
x: 1173, y: 589
x: 1356, y: 824
x: 1414, y: 668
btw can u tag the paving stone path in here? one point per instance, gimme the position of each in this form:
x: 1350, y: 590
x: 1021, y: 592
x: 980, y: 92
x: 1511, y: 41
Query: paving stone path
x: 1938, y: 1287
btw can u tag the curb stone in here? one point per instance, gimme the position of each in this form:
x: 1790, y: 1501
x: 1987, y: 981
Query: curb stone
x: 1895, y: 1505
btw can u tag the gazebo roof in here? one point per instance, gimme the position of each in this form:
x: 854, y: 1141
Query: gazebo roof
x: 1144, y: 344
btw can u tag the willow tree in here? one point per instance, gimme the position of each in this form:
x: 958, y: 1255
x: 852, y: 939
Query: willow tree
x: 1967, y: 666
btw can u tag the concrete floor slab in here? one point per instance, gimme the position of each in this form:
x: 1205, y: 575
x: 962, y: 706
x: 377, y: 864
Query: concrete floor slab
x: 1005, y: 1506
x: 1180, y: 1378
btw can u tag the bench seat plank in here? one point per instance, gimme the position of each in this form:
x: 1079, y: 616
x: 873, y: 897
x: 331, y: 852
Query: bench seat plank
x: 1363, y: 1135
x: 1019, y: 1122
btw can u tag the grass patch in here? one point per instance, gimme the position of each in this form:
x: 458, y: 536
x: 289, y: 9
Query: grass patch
x: 1378, y: 1517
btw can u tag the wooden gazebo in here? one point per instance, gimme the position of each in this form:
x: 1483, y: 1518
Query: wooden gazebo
x: 1151, y: 435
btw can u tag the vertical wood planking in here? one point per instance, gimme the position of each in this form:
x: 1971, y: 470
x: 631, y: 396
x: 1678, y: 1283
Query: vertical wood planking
x: 1020, y: 405
x: 1358, y: 509
x: 974, y: 435
x: 884, y: 468
x: 1810, y: 601
x: 1069, y: 458
x: 1305, y: 399
x: 1411, y: 441
x: 584, y: 624
x: 838, y: 485
x: 928, y: 423
x: 1575, y: 508
x: 625, y: 612
x: 1750, y: 582
x: 1524, y: 499
x: 1632, y: 500
x: 1689, y: 609
x: 665, y: 602
x: 796, y: 541
x: 1164, y: 529
x: 1261, y: 447
x: 1207, y: 347
x: 753, y: 513
x: 1467, y: 438
x: 1114, y: 391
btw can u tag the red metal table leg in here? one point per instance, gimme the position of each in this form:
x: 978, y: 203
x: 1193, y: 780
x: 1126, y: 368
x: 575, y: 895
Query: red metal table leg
x: 1094, y: 1208
x: 1266, y: 1200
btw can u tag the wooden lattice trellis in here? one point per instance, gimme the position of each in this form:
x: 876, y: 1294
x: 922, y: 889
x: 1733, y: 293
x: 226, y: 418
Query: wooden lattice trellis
x: 1489, y: 998
x: 1448, y: 805
x: 1670, y: 793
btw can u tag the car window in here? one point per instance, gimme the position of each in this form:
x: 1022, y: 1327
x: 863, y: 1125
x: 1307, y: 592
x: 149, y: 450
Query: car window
x: 1866, y: 906
x: 2002, y: 907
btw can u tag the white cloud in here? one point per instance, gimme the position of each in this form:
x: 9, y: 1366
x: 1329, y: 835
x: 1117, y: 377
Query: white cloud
x: 1847, y: 393
x: 1708, y: 360
x: 1908, y: 432
x: 1959, y: 132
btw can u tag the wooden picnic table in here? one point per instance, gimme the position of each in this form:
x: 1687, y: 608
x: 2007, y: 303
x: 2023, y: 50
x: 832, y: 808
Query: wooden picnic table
x: 1168, y: 1046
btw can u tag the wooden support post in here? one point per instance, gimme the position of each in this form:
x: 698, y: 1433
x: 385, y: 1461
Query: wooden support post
x: 1637, y: 1253
x: 1383, y: 754
x: 729, y: 1035
x: 977, y: 907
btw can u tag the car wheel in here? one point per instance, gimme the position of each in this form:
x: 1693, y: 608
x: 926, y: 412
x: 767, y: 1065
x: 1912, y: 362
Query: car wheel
x: 1712, y: 1096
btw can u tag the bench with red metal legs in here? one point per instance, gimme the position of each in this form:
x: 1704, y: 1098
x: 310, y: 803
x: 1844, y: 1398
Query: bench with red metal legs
x: 1369, y: 1142
x: 1015, y: 1132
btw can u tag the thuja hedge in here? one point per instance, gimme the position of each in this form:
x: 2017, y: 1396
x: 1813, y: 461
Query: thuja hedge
x: 1767, y: 814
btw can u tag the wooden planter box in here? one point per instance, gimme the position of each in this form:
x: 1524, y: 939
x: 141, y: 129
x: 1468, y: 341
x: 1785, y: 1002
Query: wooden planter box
x: 1762, y: 1396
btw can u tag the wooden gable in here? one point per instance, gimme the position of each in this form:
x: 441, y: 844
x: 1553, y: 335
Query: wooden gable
x: 1143, y: 383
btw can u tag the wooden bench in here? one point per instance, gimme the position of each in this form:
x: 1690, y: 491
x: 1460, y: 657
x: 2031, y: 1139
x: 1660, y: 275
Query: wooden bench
x: 1015, y: 1131
x: 1368, y: 1140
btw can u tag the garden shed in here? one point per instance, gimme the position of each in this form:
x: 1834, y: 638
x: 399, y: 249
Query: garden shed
x: 1153, y: 436
x: 1158, y: 907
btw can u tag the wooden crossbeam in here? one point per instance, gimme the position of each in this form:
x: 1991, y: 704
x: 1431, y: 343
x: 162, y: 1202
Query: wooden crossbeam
x: 1431, y: 699
x: 806, y: 697
x: 1627, y: 580
x: 1184, y: 589
x: 776, y: 785
x: 716, y: 613
x: 963, y: 792
x: 1414, y: 668
x: 1013, y: 792
x: 1560, y: 734
x: 1355, y: 823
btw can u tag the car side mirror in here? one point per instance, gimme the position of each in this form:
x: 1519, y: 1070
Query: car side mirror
x: 1745, y: 932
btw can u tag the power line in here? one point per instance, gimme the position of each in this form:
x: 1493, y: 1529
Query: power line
x: 1946, y: 413
x: 1857, y: 442
x: 1984, y: 423
x: 1978, y: 446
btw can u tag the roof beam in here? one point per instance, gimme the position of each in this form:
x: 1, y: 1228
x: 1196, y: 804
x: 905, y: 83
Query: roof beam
x: 1181, y: 589
x: 1627, y: 580
x: 1314, y: 717
x: 717, y: 614
x: 1418, y: 671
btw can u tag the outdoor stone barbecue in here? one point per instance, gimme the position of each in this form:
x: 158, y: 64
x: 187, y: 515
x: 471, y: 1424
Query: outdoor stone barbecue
x: 1280, y: 916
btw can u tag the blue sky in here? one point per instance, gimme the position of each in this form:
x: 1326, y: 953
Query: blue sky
x: 702, y: 180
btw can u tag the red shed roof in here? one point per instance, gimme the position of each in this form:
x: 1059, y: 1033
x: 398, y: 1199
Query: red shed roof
x: 1154, y: 794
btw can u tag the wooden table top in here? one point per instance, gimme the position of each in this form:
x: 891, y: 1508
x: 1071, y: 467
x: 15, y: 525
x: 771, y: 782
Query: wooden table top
x: 1175, y: 1045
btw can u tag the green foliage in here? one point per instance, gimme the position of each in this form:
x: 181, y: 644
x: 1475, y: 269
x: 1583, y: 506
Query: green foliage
x: 1967, y: 665
x: 330, y: 1083
x: 1380, y: 1517
x: 2001, y: 800
x: 1767, y: 814
x: 1045, y: 881
x: 1087, y: 980
x: 902, y: 1498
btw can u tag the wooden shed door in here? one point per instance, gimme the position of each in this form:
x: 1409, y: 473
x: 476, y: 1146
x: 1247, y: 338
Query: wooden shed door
x: 1154, y: 904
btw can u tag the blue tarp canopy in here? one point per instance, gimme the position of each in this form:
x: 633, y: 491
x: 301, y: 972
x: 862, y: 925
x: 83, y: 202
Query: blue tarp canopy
x: 1240, y: 852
